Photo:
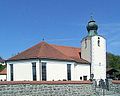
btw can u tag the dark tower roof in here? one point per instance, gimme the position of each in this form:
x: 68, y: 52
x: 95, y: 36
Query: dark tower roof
x: 92, y: 27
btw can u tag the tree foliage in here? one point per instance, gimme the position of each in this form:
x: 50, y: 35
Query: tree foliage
x: 2, y: 67
x: 113, y: 61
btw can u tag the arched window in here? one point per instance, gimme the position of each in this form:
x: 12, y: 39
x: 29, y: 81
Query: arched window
x: 99, y: 41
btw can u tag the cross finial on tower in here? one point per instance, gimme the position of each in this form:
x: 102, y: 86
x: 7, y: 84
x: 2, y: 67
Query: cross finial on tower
x: 91, y: 17
x: 43, y: 39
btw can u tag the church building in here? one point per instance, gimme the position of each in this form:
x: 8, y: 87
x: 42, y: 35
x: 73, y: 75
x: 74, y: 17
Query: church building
x: 49, y: 62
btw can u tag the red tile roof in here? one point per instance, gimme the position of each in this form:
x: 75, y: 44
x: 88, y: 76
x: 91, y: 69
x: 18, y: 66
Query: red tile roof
x: 50, y: 51
x: 3, y: 72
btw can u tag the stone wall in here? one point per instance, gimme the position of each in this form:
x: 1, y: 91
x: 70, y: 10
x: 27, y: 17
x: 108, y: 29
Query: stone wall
x: 46, y: 88
x: 115, y: 86
x: 57, y: 88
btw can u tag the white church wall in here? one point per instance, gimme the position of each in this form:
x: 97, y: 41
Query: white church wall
x: 8, y: 72
x: 98, y: 57
x: 82, y: 70
x: 22, y: 70
x: 57, y: 70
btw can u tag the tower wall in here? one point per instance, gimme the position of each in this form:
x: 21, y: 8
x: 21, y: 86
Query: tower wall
x: 86, y: 49
x: 98, y: 59
x: 93, y: 49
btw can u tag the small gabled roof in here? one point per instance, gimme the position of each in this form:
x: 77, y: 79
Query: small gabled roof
x: 111, y: 70
x: 50, y: 51
x: 3, y: 72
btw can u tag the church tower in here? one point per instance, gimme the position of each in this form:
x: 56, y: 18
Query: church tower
x: 93, y: 49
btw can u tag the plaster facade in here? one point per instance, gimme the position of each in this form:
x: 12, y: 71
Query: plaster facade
x: 55, y: 70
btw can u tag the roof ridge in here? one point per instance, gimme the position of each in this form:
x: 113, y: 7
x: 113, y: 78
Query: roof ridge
x: 42, y: 43
x: 65, y: 46
x: 27, y: 49
x: 61, y: 53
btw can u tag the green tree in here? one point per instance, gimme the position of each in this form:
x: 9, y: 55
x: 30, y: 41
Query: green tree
x: 113, y: 61
x: 1, y: 67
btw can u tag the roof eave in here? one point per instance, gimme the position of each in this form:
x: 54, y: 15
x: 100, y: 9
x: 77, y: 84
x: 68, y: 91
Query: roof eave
x: 50, y: 59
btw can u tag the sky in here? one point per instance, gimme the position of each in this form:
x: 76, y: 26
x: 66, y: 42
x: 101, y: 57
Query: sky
x: 24, y: 23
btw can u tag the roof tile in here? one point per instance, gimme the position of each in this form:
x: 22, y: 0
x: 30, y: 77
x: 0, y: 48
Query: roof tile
x: 50, y: 51
x: 3, y: 72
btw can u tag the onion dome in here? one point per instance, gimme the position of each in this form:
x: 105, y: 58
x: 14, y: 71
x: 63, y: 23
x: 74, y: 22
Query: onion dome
x: 92, y: 27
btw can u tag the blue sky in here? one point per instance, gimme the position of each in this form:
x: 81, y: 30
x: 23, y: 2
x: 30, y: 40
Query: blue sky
x: 24, y: 23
